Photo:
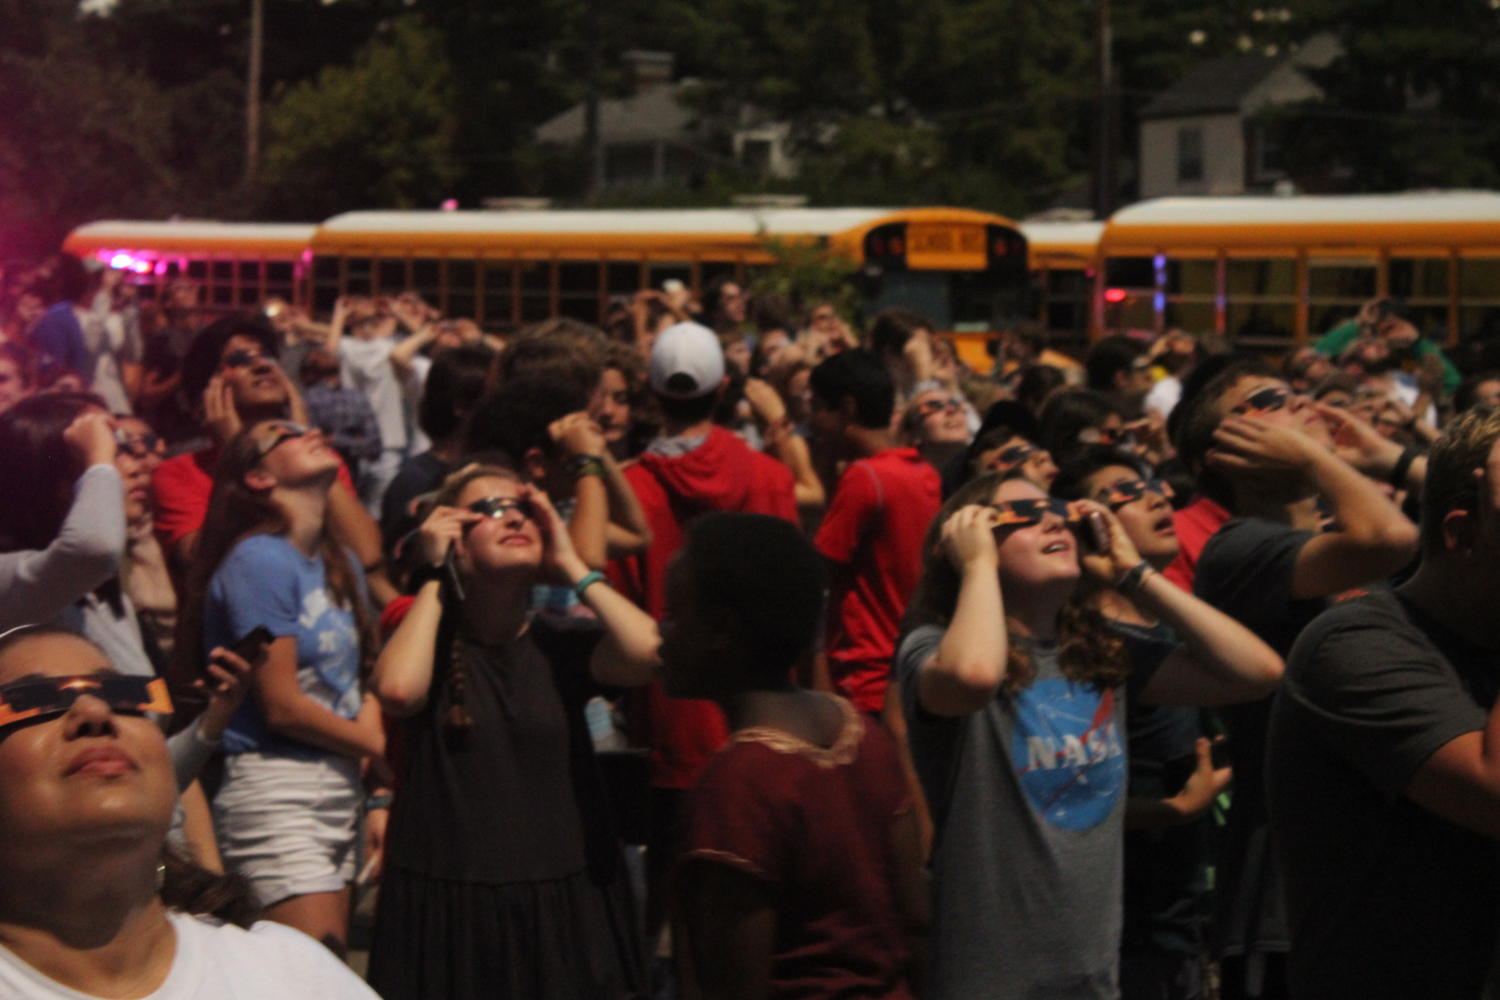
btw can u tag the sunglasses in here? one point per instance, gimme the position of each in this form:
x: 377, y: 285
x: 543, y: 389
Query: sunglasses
x: 498, y: 507
x: 281, y: 433
x: 137, y: 445
x: 928, y: 407
x: 1020, y: 513
x: 1265, y: 400
x: 1132, y: 490
x: 40, y: 697
x: 1103, y: 435
x: 243, y: 358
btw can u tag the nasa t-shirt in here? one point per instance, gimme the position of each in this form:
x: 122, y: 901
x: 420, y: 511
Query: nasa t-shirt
x: 1028, y: 796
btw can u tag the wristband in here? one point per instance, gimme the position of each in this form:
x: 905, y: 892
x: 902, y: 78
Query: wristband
x: 1402, y: 467
x: 586, y: 465
x: 424, y: 574
x: 589, y: 579
x: 1133, y: 577
x: 380, y: 801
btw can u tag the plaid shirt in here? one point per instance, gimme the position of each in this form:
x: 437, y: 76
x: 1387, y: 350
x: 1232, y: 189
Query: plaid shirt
x: 346, y: 417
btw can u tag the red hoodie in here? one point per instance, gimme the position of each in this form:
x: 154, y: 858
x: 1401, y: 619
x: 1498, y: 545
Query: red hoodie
x: 721, y: 474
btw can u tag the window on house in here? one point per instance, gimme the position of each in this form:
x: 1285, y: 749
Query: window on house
x: 1190, y: 154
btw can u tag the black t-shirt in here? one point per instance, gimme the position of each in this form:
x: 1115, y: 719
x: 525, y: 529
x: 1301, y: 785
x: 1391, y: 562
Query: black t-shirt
x: 1245, y: 571
x: 1386, y: 898
x: 519, y: 798
x: 1165, y: 888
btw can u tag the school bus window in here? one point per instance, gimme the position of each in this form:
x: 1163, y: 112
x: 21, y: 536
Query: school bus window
x: 1192, y: 277
x: 325, y: 283
x: 427, y: 280
x: 1259, y: 324
x: 578, y: 290
x: 280, y: 274
x: 1130, y: 272
x: 622, y: 277
x: 709, y: 270
x: 1194, y: 317
x: 197, y: 269
x: 1479, y: 278
x: 1274, y: 277
x: 249, y: 282
x: 536, y: 290
x: 662, y: 271
x: 357, y: 276
x: 1340, y: 281
x: 390, y: 275
x: 498, y: 276
x: 1417, y: 278
x: 1129, y: 310
x: 223, y: 283
x: 461, y: 289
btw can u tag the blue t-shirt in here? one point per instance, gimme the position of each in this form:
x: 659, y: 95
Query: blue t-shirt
x: 266, y: 580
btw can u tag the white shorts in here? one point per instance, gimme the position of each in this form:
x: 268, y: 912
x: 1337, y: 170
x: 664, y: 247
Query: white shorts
x: 288, y: 826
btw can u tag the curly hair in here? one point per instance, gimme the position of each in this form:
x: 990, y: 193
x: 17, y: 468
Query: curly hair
x: 1088, y: 651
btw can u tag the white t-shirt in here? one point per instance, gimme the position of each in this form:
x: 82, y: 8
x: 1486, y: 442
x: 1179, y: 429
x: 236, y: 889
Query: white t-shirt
x: 367, y: 367
x: 268, y: 962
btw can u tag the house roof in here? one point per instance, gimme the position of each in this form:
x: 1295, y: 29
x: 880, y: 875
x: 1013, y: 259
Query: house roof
x: 651, y: 114
x: 1214, y: 86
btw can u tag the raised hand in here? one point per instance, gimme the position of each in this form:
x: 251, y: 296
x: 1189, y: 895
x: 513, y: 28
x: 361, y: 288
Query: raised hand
x: 968, y: 538
x: 91, y: 436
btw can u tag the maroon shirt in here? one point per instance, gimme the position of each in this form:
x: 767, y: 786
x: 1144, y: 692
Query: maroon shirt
x: 816, y: 824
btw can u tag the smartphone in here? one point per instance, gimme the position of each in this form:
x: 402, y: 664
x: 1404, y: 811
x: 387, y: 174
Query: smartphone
x: 1096, y: 532
x: 1219, y: 752
x: 248, y: 646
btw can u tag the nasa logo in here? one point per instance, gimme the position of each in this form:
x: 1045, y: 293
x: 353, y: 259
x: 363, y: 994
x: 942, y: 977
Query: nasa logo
x: 1068, y: 753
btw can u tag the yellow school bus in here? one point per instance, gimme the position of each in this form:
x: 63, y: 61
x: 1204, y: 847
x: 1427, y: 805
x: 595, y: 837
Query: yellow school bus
x: 238, y: 264
x: 1063, y: 256
x: 1272, y: 272
x: 965, y: 270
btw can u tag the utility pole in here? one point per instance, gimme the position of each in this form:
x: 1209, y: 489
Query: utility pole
x: 252, y: 89
x: 1105, y: 182
x: 593, y: 140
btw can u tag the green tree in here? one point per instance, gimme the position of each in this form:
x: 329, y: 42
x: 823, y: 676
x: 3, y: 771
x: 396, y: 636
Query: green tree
x: 1413, y: 101
x: 375, y: 133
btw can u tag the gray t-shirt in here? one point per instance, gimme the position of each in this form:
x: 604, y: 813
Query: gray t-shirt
x: 1386, y: 898
x: 1028, y: 798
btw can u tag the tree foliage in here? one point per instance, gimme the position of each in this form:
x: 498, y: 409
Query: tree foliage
x: 376, y: 132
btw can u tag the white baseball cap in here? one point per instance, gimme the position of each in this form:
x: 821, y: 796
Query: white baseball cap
x: 686, y: 361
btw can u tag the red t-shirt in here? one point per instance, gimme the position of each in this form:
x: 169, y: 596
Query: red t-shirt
x: 816, y: 824
x: 181, y: 488
x: 1195, y: 524
x: 873, y: 532
x: 721, y: 474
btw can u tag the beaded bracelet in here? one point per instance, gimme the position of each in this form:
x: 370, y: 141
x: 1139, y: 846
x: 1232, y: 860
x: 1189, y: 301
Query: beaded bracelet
x: 586, y: 465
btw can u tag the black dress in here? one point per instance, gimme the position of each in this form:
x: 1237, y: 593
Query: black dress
x: 503, y: 875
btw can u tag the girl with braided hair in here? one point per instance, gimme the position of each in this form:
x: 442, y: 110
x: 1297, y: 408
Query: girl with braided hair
x: 503, y: 875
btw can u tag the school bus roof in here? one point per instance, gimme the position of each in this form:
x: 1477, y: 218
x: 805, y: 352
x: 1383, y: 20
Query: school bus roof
x: 624, y: 231
x: 1335, y: 223
x: 1061, y: 244
x: 272, y: 239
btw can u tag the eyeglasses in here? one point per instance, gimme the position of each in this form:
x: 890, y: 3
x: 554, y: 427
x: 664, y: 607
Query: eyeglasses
x: 1020, y: 513
x: 927, y: 408
x: 1120, y: 494
x: 498, y: 507
x: 137, y: 445
x: 281, y: 433
x: 1265, y: 400
x: 35, y: 698
x: 1016, y: 454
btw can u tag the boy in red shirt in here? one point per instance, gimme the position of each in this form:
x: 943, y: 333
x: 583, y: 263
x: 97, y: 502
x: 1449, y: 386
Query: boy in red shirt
x: 872, y: 533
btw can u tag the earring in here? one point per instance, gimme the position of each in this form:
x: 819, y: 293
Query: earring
x: 161, y: 877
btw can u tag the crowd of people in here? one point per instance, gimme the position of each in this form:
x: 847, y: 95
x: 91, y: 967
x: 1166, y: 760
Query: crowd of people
x: 728, y: 650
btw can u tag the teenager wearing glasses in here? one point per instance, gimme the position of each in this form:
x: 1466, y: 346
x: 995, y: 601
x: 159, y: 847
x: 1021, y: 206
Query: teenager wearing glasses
x: 1014, y: 691
x: 92, y: 904
x: 503, y: 875
x: 1172, y: 776
x: 231, y: 371
x: 1276, y: 463
x: 287, y: 809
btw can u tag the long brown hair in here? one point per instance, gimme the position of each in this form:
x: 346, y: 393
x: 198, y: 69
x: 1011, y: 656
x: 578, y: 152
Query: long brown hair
x: 456, y: 719
x: 1088, y: 652
x: 235, y: 513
